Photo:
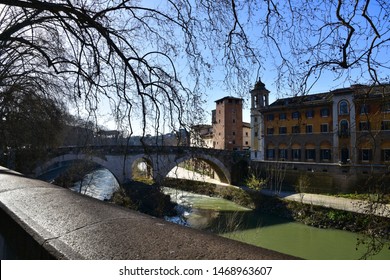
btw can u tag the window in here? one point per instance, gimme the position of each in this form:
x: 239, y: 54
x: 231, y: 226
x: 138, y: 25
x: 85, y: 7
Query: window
x: 246, y: 134
x: 270, y: 117
x: 234, y: 142
x: 255, y: 119
x: 282, y: 130
x: 282, y: 116
x: 309, y: 128
x: 324, y: 112
x: 295, y: 129
x: 325, y: 154
x: 343, y: 129
x: 343, y: 107
x: 386, y: 154
x: 385, y: 125
x: 386, y: 107
x: 324, y: 128
x: 234, y: 120
x: 256, y: 134
x: 246, y: 143
x: 295, y: 115
x: 283, y: 153
x: 310, y: 114
x: 364, y: 126
x: 364, y: 109
x: 296, y: 154
x: 310, y: 154
x: 270, y: 153
x: 270, y: 131
x: 366, y: 154
x: 234, y: 133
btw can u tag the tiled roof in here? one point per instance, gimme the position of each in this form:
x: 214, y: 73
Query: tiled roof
x: 303, y: 100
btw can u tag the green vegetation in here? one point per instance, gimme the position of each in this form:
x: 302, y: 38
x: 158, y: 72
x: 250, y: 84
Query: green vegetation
x: 383, y: 198
x: 254, y: 182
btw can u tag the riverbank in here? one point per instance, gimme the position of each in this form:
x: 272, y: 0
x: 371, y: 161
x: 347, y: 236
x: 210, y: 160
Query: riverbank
x: 230, y: 220
x: 294, y: 207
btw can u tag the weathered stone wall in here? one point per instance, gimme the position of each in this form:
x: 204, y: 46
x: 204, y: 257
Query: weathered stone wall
x: 328, y: 178
x: 42, y: 221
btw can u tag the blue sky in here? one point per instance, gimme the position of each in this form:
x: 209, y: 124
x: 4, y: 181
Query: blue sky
x: 268, y: 73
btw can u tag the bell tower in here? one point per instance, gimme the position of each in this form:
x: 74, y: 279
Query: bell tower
x: 259, y: 101
x: 259, y: 96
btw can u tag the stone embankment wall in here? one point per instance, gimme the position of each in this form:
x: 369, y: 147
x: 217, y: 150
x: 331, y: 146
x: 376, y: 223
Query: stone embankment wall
x: 42, y: 221
x: 328, y: 178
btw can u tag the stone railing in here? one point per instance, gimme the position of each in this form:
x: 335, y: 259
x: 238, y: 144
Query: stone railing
x: 42, y: 221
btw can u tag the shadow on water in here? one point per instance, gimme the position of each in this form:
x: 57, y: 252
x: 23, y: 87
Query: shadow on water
x: 223, y: 222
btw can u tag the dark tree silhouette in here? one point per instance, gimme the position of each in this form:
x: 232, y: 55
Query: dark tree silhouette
x: 153, y: 62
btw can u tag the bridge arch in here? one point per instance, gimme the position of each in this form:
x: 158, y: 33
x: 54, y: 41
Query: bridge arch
x: 141, y: 165
x: 60, y: 160
x: 221, y: 170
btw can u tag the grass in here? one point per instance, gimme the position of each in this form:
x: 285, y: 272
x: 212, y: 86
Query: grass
x: 382, y: 198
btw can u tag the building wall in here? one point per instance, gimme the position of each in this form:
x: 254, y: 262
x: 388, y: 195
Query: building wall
x: 228, y: 126
x: 296, y: 129
x: 373, y: 129
x: 246, y: 137
x: 342, y: 151
x: 290, y: 132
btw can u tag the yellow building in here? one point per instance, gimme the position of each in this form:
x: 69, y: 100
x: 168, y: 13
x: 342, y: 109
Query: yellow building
x: 348, y: 126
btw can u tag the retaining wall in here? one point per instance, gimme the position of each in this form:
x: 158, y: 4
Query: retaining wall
x: 42, y: 221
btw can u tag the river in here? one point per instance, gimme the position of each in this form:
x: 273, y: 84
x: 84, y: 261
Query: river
x: 230, y: 220
x: 234, y: 221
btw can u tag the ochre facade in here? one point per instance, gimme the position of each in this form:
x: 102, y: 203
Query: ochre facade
x: 348, y: 126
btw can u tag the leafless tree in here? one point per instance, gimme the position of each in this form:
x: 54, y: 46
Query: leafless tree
x: 134, y: 56
x: 153, y: 61
x: 346, y: 40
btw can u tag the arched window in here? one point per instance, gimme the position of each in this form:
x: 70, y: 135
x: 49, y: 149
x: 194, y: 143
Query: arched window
x: 343, y: 107
x: 344, y: 128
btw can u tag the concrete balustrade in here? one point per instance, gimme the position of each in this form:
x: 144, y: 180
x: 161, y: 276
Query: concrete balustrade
x: 42, y: 221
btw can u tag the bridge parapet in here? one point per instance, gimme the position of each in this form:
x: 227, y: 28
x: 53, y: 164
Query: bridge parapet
x: 42, y: 221
x: 116, y: 149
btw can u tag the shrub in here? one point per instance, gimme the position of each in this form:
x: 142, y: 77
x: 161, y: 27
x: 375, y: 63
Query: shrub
x: 254, y: 182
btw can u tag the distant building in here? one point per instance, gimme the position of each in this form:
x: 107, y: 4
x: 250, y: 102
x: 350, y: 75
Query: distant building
x: 347, y: 126
x: 227, y: 124
x: 202, y: 136
x: 227, y: 131
x: 246, y: 136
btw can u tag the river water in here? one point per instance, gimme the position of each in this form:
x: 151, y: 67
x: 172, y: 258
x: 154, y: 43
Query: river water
x: 231, y: 220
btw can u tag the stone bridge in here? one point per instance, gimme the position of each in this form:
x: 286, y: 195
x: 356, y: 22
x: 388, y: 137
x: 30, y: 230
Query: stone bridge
x: 122, y: 160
